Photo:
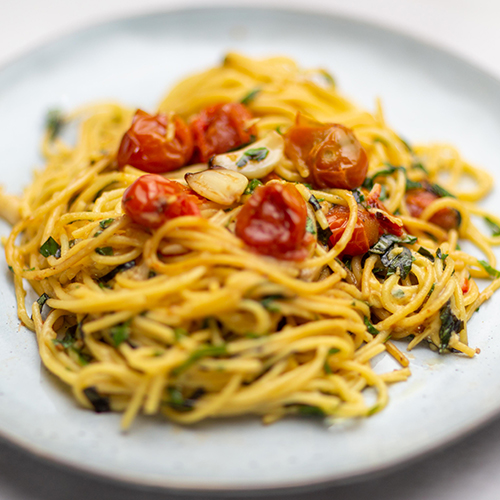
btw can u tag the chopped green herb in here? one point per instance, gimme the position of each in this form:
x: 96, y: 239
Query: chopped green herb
x: 309, y: 410
x: 401, y: 262
x: 369, y: 326
x: 324, y: 235
x: 424, y: 252
x: 179, y: 403
x: 267, y: 302
x: 67, y: 341
x: 50, y: 247
x: 441, y: 255
x: 495, y: 229
x: 310, y: 226
x: 180, y: 332
x: 42, y: 299
x: 54, y: 123
x: 11, y: 269
x: 358, y: 195
x: 120, y: 333
x: 100, y: 403
x: 386, y: 241
x: 489, y: 269
x: 151, y: 274
x: 106, y: 223
x: 203, y: 352
x: 413, y: 185
x: 328, y: 77
x: 252, y: 185
x: 449, y: 324
x: 398, y: 293
x: 97, y: 234
x: 116, y: 270
x: 314, y: 203
x: 419, y: 166
x: 374, y: 409
x: 254, y: 154
x: 250, y: 96
x: 441, y: 191
x: 381, y: 140
x: 104, y: 250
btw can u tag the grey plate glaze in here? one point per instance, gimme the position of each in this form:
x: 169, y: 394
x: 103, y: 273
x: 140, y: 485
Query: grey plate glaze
x: 428, y: 95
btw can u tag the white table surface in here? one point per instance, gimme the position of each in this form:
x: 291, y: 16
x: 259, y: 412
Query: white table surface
x: 468, y: 469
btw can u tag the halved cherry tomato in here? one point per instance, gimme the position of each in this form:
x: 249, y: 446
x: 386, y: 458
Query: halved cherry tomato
x: 220, y: 128
x: 151, y: 200
x: 146, y: 144
x: 273, y: 222
x: 417, y: 200
x: 331, y: 152
x: 366, y: 231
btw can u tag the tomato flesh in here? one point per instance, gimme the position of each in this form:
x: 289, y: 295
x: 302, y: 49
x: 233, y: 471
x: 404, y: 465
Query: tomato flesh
x: 331, y: 152
x: 220, y: 128
x: 417, y: 200
x: 146, y: 146
x: 365, y: 235
x: 273, y: 222
x: 151, y: 200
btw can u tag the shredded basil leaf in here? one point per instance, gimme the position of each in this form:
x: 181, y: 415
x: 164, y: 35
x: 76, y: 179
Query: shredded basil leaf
x: 324, y: 235
x: 369, y: 326
x: 250, y: 96
x: 440, y: 191
x: 116, y: 270
x: 104, y: 250
x: 402, y: 262
x: 309, y: 410
x: 50, y: 247
x: 106, y: 223
x: 100, y: 403
x: 310, y: 226
x: 120, y: 333
x: 424, y: 252
x: 441, y: 255
x: 489, y: 269
x: 68, y: 340
x: 214, y: 350
x: 314, y: 203
x: 449, y: 324
x: 495, y: 229
x: 386, y: 241
x: 267, y: 302
x: 54, y: 123
x: 254, y: 154
x: 42, y: 299
x: 252, y: 186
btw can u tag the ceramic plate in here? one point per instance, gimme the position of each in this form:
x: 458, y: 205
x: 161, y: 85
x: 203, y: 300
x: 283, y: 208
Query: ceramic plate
x: 428, y: 95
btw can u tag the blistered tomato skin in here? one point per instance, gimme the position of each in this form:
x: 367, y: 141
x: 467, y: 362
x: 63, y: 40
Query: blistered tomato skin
x: 331, y: 152
x: 148, y: 147
x: 366, y: 232
x: 152, y: 200
x: 417, y: 200
x: 273, y: 222
x: 220, y: 128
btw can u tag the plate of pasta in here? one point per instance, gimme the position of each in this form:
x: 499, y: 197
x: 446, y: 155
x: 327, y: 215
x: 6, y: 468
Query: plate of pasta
x: 246, y: 259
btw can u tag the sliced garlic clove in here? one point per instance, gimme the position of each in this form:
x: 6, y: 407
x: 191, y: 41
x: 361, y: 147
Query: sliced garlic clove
x: 218, y: 184
x: 256, y: 160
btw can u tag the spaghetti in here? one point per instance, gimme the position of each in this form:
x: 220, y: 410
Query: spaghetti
x: 183, y: 310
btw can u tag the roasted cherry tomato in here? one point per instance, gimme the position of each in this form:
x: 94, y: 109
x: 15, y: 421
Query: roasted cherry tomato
x: 417, y: 200
x: 156, y: 143
x: 331, y: 152
x: 366, y: 232
x: 220, y: 128
x: 152, y: 200
x: 273, y: 222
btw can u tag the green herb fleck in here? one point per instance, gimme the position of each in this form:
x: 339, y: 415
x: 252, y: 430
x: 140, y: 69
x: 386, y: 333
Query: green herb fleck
x: 489, y: 269
x: 106, y: 223
x: 369, y: 326
x: 50, y: 247
x: 495, y: 229
x: 54, y: 123
x: 310, y: 226
x: 100, y: 403
x: 209, y: 350
x: 252, y: 185
x: 425, y: 253
x: 104, y: 250
x: 254, y: 154
x: 441, y: 255
x: 120, y: 333
x: 449, y: 324
x: 42, y: 299
x: 250, y: 96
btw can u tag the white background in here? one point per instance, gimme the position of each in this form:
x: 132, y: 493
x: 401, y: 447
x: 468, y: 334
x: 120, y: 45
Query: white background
x: 468, y: 28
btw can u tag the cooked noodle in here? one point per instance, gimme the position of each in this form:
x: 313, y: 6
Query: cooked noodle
x: 188, y: 321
